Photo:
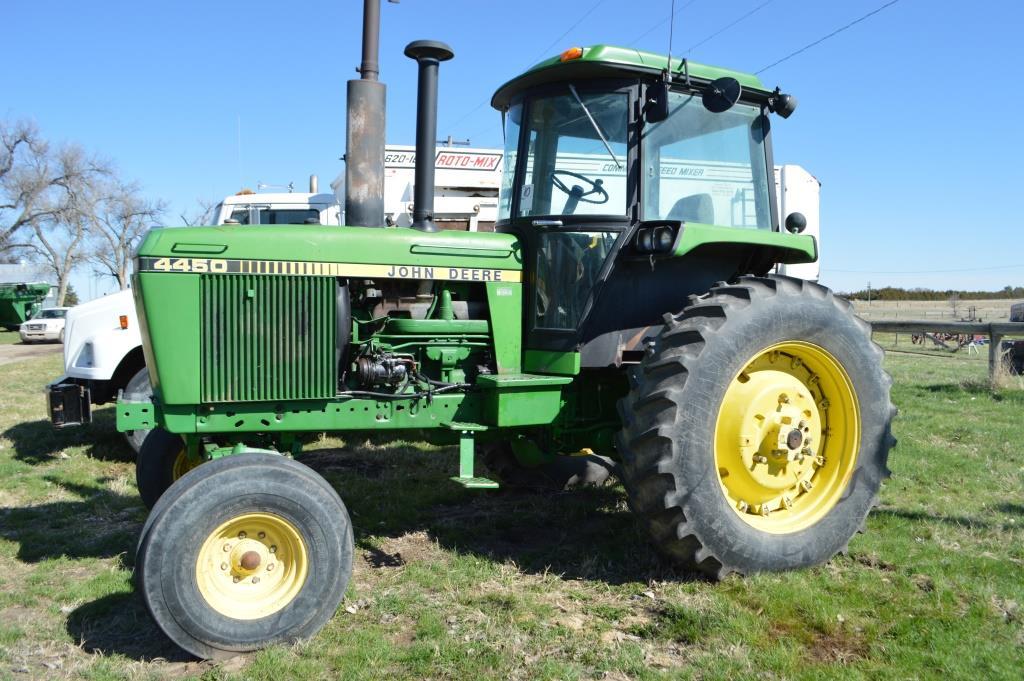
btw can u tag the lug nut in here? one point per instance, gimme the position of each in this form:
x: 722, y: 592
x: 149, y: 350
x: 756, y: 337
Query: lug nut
x: 273, y: 548
x: 262, y: 535
x: 743, y: 506
x: 783, y: 398
x: 807, y: 485
x: 242, y: 535
x: 270, y: 567
x: 787, y: 502
x: 765, y: 511
x: 760, y: 459
x: 227, y: 547
x: 236, y: 579
x: 223, y: 566
x: 255, y: 580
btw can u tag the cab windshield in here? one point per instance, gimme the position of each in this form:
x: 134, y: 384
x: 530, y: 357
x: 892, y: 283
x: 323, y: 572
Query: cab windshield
x: 575, y: 154
x: 706, y: 167
x: 52, y: 314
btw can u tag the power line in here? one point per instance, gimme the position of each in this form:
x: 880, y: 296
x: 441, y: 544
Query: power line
x: 567, y: 32
x: 966, y: 269
x: 542, y: 53
x: 727, y: 27
x: 833, y: 33
x: 658, y: 25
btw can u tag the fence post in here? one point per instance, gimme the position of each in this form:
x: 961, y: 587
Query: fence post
x: 995, y: 353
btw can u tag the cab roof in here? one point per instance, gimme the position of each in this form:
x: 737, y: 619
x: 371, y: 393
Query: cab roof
x: 608, y: 61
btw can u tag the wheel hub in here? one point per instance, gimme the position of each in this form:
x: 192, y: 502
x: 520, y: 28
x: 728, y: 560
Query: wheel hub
x: 252, y: 566
x: 775, y: 424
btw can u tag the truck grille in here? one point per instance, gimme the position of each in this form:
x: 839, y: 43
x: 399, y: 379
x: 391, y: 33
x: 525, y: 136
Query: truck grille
x: 268, y: 338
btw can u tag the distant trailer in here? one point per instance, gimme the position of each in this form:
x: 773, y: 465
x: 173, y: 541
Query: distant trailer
x: 18, y: 302
x: 1017, y: 312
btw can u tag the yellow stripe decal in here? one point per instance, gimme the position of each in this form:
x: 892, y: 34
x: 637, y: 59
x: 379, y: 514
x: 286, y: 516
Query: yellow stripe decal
x: 324, y: 269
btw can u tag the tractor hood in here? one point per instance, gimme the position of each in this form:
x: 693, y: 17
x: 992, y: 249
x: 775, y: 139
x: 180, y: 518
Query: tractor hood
x: 310, y: 249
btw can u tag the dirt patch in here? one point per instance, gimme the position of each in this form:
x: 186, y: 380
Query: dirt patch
x: 16, y: 353
x: 872, y: 560
x: 839, y: 646
x: 407, y: 548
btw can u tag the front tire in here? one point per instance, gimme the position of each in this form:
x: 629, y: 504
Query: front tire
x: 162, y: 459
x: 757, y: 429
x: 244, y: 552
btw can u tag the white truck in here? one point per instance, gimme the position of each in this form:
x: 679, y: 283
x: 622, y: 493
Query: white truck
x: 103, y: 344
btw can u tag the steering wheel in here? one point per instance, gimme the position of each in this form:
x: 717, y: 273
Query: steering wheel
x: 577, y: 192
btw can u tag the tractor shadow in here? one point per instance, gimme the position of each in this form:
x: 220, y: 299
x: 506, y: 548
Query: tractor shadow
x: 36, y: 442
x: 118, y: 624
x: 98, y: 524
x: 585, y: 534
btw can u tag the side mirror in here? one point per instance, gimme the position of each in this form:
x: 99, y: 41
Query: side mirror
x: 656, y: 109
x: 796, y: 223
x: 721, y: 94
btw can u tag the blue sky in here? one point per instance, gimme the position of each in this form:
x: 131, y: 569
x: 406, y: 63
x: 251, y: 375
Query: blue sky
x: 908, y: 119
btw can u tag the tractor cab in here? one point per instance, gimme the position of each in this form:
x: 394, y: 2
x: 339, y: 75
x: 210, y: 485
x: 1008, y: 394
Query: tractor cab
x: 618, y: 165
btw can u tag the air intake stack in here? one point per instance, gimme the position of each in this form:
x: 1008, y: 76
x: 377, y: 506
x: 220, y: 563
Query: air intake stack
x: 364, y: 134
x: 428, y: 54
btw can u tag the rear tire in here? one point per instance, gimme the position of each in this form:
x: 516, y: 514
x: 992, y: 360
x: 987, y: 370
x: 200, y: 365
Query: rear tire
x: 705, y: 428
x: 141, y: 390
x: 161, y: 460
x: 283, y: 575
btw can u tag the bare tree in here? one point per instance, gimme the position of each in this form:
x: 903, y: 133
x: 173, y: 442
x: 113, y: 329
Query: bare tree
x: 203, y: 214
x: 58, y: 243
x: 117, y: 222
x: 60, y: 238
x: 36, y: 182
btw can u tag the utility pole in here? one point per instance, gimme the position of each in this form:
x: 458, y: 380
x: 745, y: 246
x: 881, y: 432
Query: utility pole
x: 869, y: 293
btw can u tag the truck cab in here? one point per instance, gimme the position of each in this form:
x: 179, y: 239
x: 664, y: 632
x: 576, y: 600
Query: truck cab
x: 279, y: 209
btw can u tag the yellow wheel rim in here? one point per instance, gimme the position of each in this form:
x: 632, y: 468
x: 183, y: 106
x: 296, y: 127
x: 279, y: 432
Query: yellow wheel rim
x: 252, y: 566
x: 787, y: 437
x: 182, y: 464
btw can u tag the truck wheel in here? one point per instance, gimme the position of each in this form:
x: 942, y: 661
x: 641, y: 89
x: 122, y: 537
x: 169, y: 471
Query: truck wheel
x: 161, y: 461
x: 247, y: 551
x: 560, y: 474
x: 138, y: 388
x: 756, y: 431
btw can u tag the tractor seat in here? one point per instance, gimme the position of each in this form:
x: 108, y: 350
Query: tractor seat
x: 694, y: 208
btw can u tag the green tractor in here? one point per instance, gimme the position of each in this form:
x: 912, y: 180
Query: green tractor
x: 625, y: 310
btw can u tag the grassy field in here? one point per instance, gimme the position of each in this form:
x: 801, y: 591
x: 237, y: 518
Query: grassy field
x: 457, y: 584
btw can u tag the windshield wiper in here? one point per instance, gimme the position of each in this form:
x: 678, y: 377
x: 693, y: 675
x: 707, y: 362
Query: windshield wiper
x: 600, y: 134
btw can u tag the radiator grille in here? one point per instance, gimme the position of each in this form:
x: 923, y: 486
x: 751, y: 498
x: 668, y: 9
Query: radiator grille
x: 268, y: 338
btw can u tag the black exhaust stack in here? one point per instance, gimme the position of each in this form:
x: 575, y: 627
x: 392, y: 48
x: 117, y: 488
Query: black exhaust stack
x: 428, y: 54
x: 364, y: 143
